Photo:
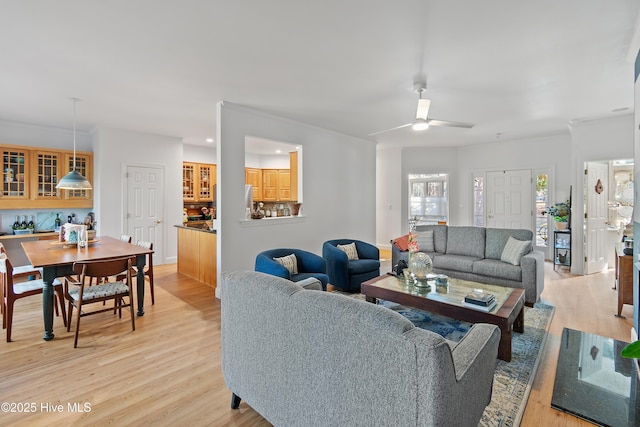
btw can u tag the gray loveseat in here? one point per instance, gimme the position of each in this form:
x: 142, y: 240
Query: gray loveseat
x: 474, y: 253
x: 309, y: 358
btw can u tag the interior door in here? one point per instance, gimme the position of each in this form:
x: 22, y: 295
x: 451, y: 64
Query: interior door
x: 596, y: 189
x: 509, y: 199
x: 144, y: 206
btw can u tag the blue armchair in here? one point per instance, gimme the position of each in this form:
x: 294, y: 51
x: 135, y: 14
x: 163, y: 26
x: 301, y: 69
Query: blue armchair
x: 309, y: 265
x: 349, y: 274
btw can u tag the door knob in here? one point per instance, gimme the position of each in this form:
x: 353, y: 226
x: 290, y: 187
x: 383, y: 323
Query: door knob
x: 158, y: 221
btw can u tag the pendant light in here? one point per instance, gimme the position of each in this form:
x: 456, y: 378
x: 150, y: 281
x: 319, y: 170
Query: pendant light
x: 74, y: 179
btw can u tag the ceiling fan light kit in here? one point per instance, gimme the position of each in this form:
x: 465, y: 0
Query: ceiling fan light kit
x: 420, y: 124
x: 422, y: 121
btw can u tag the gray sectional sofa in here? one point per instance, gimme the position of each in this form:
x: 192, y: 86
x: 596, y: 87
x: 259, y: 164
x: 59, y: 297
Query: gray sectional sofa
x: 474, y: 253
x: 308, y: 358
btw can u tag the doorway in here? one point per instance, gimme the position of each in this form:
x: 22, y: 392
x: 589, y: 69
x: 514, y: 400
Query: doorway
x: 608, y: 196
x: 143, y: 207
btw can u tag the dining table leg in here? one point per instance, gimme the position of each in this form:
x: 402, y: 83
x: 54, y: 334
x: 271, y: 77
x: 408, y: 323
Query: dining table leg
x: 140, y: 263
x: 49, y: 275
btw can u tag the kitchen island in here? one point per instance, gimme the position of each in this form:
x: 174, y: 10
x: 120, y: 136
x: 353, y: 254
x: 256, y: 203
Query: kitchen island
x: 197, y: 253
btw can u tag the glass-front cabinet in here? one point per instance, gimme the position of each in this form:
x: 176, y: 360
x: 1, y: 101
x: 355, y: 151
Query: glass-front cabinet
x: 15, y: 166
x: 46, y: 173
x: 30, y: 176
x: 83, y: 164
x: 198, y: 180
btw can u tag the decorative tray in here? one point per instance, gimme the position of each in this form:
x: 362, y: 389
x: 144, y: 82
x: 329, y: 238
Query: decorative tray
x: 57, y: 243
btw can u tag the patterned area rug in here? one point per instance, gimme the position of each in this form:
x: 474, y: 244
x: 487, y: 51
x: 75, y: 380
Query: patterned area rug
x: 512, y: 380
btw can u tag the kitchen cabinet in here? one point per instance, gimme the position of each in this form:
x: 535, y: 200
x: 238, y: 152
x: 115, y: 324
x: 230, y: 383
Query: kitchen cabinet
x: 45, y: 174
x: 84, y: 165
x: 276, y: 185
x: 30, y: 176
x: 253, y: 177
x: 198, y: 182
x: 197, y: 254
x: 293, y: 164
x: 15, y: 168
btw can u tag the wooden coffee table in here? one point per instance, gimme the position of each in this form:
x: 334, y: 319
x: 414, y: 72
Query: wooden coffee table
x: 447, y: 300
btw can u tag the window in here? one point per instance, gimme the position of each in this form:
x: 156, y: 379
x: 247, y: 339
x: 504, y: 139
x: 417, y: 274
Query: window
x: 478, y: 201
x: 428, y: 198
x: 542, y: 203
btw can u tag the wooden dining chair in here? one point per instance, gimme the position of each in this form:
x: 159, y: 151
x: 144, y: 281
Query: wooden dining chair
x: 148, y: 271
x: 23, y: 271
x: 79, y: 294
x: 124, y: 238
x: 11, y: 291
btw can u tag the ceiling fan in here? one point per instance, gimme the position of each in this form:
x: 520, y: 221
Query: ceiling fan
x: 422, y: 120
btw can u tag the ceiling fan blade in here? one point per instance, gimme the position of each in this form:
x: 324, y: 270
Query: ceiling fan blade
x: 390, y: 129
x: 423, y: 108
x: 434, y: 122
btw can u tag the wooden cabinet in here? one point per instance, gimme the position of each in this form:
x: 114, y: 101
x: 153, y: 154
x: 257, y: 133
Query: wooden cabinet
x: 15, y: 174
x: 30, y: 176
x: 293, y: 165
x: 253, y: 177
x: 197, y: 255
x: 624, y: 277
x: 198, y: 180
x: 45, y: 174
x: 276, y: 185
x: 84, y: 165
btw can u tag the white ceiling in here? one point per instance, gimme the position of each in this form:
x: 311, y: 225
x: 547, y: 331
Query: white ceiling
x: 515, y: 68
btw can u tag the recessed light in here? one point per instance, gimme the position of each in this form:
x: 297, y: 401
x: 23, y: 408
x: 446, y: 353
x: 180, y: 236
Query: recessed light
x: 278, y: 151
x: 209, y: 140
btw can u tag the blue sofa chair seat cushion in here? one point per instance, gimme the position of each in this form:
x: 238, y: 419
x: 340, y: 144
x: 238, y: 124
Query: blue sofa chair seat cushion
x: 359, y: 266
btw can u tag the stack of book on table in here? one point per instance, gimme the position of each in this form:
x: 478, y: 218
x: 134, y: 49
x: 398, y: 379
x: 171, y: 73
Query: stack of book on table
x: 480, y: 300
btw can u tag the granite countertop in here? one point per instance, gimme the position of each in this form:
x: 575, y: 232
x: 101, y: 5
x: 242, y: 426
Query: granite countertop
x: 204, y: 230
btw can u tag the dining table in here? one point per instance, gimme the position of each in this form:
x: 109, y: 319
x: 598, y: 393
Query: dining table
x: 57, y: 258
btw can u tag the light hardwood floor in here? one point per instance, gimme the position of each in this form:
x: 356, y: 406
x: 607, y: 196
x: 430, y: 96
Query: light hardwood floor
x: 168, y: 371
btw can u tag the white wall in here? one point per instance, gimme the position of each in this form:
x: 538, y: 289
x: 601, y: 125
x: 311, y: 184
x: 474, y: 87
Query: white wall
x: 389, y: 200
x: 43, y: 136
x: 113, y: 149
x: 199, y: 153
x: 339, y: 188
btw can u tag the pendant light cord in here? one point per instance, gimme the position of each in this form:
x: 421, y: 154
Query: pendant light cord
x: 74, y: 131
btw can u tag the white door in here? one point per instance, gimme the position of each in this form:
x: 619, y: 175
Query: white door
x: 509, y: 199
x: 595, y: 238
x: 144, y: 204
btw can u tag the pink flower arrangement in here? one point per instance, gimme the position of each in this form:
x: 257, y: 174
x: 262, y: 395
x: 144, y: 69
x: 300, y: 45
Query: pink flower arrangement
x: 413, y: 245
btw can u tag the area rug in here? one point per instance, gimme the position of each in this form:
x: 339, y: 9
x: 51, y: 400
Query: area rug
x: 512, y: 380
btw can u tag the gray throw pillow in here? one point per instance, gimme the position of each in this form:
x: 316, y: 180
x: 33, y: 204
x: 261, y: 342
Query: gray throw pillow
x: 425, y: 241
x: 514, y: 250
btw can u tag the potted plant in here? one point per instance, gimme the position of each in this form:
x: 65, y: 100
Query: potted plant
x: 560, y: 213
x: 631, y: 351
